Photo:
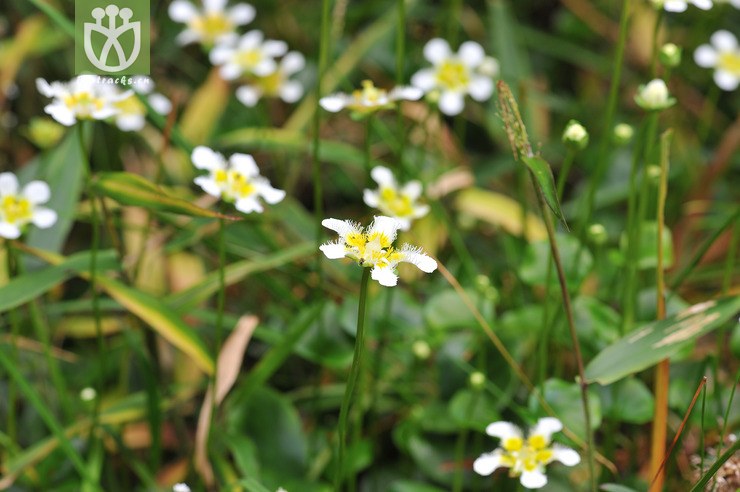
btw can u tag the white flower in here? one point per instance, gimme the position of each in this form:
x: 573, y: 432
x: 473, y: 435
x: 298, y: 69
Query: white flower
x: 181, y: 487
x: 277, y: 84
x: 654, y: 96
x: 575, y: 135
x: 237, y: 181
x: 213, y: 23
x: 724, y: 56
x: 681, y: 5
x: 131, y: 115
x: 250, y: 54
x: 20, y: 209
x: 372, y: 247
x: 399, y: 203
x: 526, y: 458
x: 454, y: 75
x: 82, y: 98
x: 369, y: 99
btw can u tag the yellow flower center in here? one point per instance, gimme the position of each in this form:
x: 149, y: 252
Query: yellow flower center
x: 16, y: 209
x: 83, y: 103
x: 453, y: 75
x: 369, y: 98
x: 398, y: 204
x: 372, y: 249
x: 249, y: 59
x: 529, y: 454
x: 233, y: 184
x: 130, y: 106
x: 272, y: 83
x: 211, y: 26
x: 729, y: 62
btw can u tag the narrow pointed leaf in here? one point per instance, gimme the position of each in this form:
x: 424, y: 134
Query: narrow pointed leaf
x: 131, y: 189
x: 659, y: 340
x: 543, y: 175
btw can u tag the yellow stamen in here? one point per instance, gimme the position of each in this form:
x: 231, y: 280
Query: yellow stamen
x: 396, y: 203
x: 453, y: 75
x: 729, y: 62
x: 211, y: 26
x: 14, y: 209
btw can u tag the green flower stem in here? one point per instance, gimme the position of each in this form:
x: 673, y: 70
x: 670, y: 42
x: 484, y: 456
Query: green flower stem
x: 453, y: 18
x: 354, y: 373
x: 220, y: 304
x: 656, y: 48
x: 15, y: 330
x: 564, y: 171
x: 601, y: 159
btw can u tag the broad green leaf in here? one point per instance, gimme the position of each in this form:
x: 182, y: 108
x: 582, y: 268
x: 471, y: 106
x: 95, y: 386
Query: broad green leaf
x: 500, y: 211
x: 162, y: 319
x: 533, y: 269
x: 659, y: 340
x: 565, y: 398
x: 543, y: 175
x: 628, y: 400
x: 446, y: 310
x: 647, y: 254
x: 135, y: 190
x: 29, y: 286
x: 473, y: 409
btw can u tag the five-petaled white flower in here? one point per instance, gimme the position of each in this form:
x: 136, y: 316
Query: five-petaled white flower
x: 237, y: 181
x: 131, y: 115
x: 682, y: 5
x: 401, y: 203
x: 276, y: 84
x: 372, y: 247
x: 456, y: 74
x: 20, y: 209
x: 525, y: 458
x: 369, y: 99
x: 211, y: 25
x: 82, y: 98
x: 250, y: 54
x: 724, y: 56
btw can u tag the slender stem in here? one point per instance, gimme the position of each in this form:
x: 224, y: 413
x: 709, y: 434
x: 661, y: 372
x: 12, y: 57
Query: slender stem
x: 352, y: 380
x: 15, y: 330
x: 220, y: 304
x: 453, y: 18
x: 367, y: 144
x: 699, y: 486
x: 564, y: 171
x: 656, y: 48
x: 572, y: 328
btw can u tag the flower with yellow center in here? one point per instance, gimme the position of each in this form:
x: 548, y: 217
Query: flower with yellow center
x: 131, y: 114
x: 369, y: 99
x: 723, y: 54
x: 401, y: 203
x: 525, y: 458
x: 454, y: 75
x: 250, y: 54
x: 18, y: 208
x: 276, y: 84
x: 238, y: 181
x: 372, y: 247
x: 82, y: 98
x: 212, y: 24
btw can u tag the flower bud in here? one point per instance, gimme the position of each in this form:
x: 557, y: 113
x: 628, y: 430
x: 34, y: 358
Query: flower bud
x: 44, y: 133
x: 623, y: 133
x: 670, y: 55
x: 575, y: 135
x: 653, y: 174
x: 597, y: 234
x: 421, y: 350
x: 477, y: 380
x: 654, y: 96
x: 88, y: 394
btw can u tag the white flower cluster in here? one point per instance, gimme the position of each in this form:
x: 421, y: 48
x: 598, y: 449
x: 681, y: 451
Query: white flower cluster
x: 251, y: 58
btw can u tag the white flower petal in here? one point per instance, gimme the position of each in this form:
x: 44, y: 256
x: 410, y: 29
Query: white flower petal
x: 415, y: 256
x: 230, y: 71
x: 43, y: 217
x: 334, y: 250
x: 341, y: 227
x: 160, y: 103
x: 269, y: 194
x: 182, y: 11
x: 61, y: 113
x: 8, y: 184
x: 412, y: 190
x: 9, y: 231
x: 702, y: 4
x: 370, y: 198
x: 724, y: 40
x: 706, y: 56
x: 471, y: 54
x: 187, y: 36
x: 403, y: 224
x: 451, y: 103
x: 387, y: 226
x: 221, y: 53
x: 533, y: 479
x: 208, y: 185
x: 675, y: 5
x: 206, y: 158
x: 251, y: 40
x: 566, y: 456
x: 85, y: 83
x: 265, y: 67
x: 406, y: 93
x: 383, y: 176
x: 130, y: 122
x: 292, y: 63
x: 421, y: 211
x: 274, y: 48
x: 503, y: 430
x: 384, y: 276
x: 104, y: 113
x: 487, y: 463
x: 546, y: 427
x: 37, y: 192
x: 726, y: 80
x: 436, y: 51
x: 45, y: 88
x: 248, y: 95
x: 241, y: 14
x: 480, y: 88
x: 213, y: 6
x: 424, y: 79
x: 244, y: 164
x: 248, y: 205
x: 291, y: 91
x: 333, y: 103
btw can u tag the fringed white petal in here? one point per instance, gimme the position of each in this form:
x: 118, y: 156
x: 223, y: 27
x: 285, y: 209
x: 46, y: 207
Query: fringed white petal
x: 387, y: 226
x: 385, y: 276
x: 415, y: 256
x: 342, y: 227
x: 333, y: 250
